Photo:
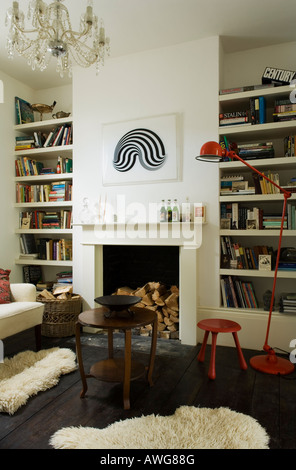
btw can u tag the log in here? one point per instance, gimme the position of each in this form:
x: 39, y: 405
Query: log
x: 159, y: 291
x: 167, y: 321
x: 173, y: 302
x: 125, y: 291
x: 174, y: 290
x: 174, y: 319
x: 161, y: 326
x: 147, y: 299
x: 141, y: 291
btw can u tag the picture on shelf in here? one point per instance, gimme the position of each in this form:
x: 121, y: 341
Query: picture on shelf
x: 225, y: 224
x: 264, y: 263
x: 251, y: 224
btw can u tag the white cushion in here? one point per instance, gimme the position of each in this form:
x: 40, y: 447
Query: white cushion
x: 22, y: 313
x: 19, y: 316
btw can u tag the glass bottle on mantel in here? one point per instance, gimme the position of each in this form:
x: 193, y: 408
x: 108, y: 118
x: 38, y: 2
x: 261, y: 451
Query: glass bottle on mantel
x: 176, y: 211
x: 163, y: 212
x: 169, y: 211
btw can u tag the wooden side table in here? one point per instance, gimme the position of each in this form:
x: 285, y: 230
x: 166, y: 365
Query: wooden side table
x: 116, y: 369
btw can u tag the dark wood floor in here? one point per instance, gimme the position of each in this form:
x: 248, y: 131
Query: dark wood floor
x: 178, y: 380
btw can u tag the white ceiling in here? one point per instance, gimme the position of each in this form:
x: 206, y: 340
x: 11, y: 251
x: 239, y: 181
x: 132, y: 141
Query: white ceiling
x: 138, y: 25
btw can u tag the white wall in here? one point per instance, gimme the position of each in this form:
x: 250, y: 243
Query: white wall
x: 179, y: 79
x: 246, y: 67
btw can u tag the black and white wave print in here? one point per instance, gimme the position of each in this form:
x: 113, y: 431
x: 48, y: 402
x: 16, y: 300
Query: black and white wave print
x: 142, y: 144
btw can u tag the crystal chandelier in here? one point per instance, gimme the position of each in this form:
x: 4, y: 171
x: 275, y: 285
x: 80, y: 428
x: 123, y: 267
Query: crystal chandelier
x: 52, y: 35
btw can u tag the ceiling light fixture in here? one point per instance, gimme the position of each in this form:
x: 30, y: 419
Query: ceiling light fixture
x: 51, y: 35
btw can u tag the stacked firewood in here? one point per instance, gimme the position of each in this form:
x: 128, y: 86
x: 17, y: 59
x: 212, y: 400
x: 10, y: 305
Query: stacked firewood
x: 161, y: 299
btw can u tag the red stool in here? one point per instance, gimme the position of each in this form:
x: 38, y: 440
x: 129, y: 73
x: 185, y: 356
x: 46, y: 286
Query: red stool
x: 215, y: 326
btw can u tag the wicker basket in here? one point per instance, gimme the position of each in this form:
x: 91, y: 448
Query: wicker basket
x: 60, y: 316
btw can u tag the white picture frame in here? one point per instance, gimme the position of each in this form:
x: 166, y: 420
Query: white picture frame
x: 136, y: 142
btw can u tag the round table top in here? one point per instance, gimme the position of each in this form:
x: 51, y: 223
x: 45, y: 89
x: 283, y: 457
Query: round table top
x: 95, y: 317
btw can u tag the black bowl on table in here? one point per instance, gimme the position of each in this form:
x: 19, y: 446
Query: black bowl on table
x: 117, y: 303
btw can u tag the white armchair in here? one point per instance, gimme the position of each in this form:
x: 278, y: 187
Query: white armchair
x: 22, y: 313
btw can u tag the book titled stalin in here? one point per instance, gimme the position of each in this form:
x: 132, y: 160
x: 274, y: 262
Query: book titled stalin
x: 278, y: 76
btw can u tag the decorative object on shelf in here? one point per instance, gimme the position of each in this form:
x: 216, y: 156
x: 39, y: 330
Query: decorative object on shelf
x: 86, y: 215
x: 51, y: 35
x: 60, y: 114
x: 43, y: 108
x: 269, y: 363
x: 117, y: 304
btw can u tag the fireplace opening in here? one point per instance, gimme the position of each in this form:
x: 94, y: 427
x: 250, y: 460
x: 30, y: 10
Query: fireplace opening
x: 150, y: 272
x: 134, y: 266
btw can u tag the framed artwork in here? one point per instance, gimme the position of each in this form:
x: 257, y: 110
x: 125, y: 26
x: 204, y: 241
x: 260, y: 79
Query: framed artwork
x: 141, y: 151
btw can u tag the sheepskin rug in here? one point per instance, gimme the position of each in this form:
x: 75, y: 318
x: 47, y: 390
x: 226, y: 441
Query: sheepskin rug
x: 31, y: 372
x: 188, y: 428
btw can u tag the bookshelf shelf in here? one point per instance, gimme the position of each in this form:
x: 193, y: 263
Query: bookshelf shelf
x: 33, y: 183
x: 254, y: 240
x: 47, y: 152
x: 257, y: 233
x: 43, y: 204
x: 42, y: 262
x: 40, y: 231
x: 43, y: 178
x: 257, y: 273
x: 255, y: 198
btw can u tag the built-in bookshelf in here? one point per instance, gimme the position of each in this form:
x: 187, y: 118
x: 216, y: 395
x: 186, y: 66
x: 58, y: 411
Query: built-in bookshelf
x: 43, y: 188
x: 250, y: 212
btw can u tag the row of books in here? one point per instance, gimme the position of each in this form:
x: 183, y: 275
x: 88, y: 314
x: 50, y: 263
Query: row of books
x: 284, y: 110
x: 52, y: 249
x: 288, y: 303
x: 45, y: 248
x: 29, y: 167
x: 236, y: 256
x: 235, y: 216
x: 238, y: 185
x: 59, y: 136
x: 289, y: 146
x: 53, y: 192
x: 233, y: 118
x: 255, y: 150
x: 237, y: 293
x: 46, y: 220
x: 256, y: 114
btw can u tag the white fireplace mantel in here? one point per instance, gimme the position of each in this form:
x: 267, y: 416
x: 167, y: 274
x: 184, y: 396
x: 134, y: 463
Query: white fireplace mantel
x: 187, y: 236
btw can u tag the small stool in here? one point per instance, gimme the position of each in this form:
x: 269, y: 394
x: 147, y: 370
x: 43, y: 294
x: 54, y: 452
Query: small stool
x: 215, y: 326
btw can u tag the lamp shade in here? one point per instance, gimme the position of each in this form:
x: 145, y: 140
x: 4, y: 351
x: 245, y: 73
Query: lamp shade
x: 210, y: 152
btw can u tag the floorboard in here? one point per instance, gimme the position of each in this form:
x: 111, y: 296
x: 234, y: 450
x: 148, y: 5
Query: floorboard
x: 179, y: 379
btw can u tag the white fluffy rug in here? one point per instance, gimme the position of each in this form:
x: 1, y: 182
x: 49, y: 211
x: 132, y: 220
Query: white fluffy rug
x: 30, y: 372
x: 188, y: 428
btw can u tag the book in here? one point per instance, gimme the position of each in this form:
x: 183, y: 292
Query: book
x: 227, y: 91
x: 28, y: 244
x: 24, y: 111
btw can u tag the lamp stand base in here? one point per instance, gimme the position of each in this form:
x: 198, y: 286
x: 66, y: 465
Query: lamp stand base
x: 271, y: 364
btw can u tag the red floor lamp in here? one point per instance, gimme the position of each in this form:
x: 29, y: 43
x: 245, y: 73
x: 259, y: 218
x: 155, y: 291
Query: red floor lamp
x: 268, y: 363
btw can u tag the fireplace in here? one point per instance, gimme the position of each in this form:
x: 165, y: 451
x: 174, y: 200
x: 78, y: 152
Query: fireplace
x: 99, y: 240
